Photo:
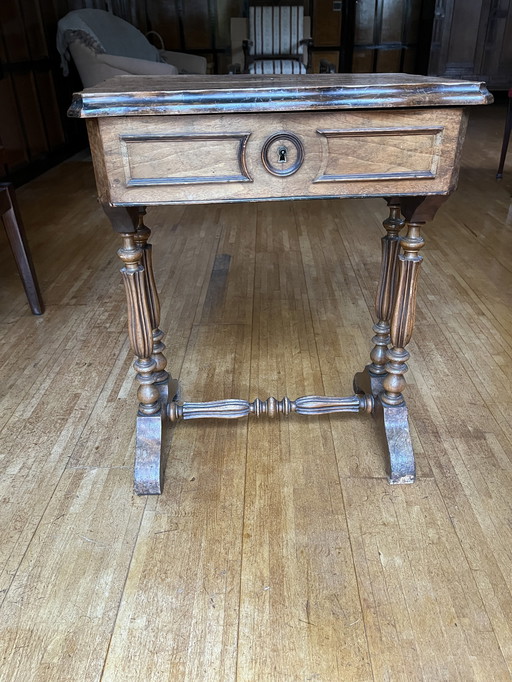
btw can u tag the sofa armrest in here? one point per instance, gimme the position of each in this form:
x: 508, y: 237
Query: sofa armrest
x: 142, y: 67
x: 185, y: 63
x: 94, y: 68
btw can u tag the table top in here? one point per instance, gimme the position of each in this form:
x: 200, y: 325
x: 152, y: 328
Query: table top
x: 178, y: 95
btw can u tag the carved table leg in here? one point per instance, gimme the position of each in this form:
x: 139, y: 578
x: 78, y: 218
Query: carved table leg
x: 395, y: 414
x: 161, y: 375
x: 395, y: 307
x: 150, y: 363
x: 148, y: 449
x: 370, y: 380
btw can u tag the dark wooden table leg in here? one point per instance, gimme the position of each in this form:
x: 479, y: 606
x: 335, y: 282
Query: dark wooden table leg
x: 17, y: 239
x: 370, y: 380
x: 396, y: 422
x: 506, y: 137
x: 165, y: 384
x: 150, y: 362
x: 395, y: 307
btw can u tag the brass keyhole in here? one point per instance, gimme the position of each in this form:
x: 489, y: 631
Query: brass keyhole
x: 281, y: 154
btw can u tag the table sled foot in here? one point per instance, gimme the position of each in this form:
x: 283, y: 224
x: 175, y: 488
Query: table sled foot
x: 395, y: 421
x: 150, y: 442
x: 151, y: 428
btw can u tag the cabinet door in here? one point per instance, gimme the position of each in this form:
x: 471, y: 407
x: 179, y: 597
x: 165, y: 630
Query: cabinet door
x: 497, y: 55
x: 472, y: 39
x: 388, y: 35
x: 458, y: 37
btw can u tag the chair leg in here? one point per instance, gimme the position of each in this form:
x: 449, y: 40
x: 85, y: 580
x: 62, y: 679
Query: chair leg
x: 506, y: 137
x: 16, y: 234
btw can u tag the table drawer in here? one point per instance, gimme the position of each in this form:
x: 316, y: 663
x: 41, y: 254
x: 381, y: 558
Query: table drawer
x: 182, y: 159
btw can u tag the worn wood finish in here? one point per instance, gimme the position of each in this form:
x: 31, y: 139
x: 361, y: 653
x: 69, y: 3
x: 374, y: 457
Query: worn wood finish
x: 175, y: 95
x: 274, y: 147
x: 146, y: 344
x: 157, y: 159
x: 237, y: 409
x: 278, y: 549
x: 383, y: 377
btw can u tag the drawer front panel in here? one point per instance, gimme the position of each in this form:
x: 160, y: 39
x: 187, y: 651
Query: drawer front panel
x: 184, y: 158
x: 176, y: 159
x: 379, y: 155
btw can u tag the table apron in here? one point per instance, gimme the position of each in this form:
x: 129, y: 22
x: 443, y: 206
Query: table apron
x: 251, y: 157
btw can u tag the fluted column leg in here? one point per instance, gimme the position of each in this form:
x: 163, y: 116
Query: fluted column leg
x: 370, y: 380
x: 394, y: 409
x: 404, y: 313
x: 395, y: 310
x: 386, y: 291
x: 161, y: 375
x: 126, y: 220
x: 148, y: 446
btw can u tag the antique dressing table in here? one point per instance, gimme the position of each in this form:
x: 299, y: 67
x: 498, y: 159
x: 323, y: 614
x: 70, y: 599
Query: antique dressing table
x: 205, y: 139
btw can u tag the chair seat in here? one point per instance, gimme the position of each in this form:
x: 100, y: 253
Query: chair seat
x: 277, y: 66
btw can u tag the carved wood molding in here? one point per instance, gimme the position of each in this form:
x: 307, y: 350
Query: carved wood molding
x: 204, y: 138
x: 237, y: 409
x: 435, y: 132
x: 179, y: 95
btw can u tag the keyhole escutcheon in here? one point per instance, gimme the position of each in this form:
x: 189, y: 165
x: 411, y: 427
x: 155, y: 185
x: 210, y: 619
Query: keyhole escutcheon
x: 282, y: 154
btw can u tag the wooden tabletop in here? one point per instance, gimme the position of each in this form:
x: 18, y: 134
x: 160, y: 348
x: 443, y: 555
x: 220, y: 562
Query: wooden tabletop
x: 171, y: 95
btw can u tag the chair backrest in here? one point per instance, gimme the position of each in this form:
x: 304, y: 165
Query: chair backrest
x: 105, y: 33
x: 276, y: 31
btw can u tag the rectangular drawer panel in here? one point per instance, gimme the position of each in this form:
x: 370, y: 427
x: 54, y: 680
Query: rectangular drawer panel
x: 379, y: 155
x: 184, y: 158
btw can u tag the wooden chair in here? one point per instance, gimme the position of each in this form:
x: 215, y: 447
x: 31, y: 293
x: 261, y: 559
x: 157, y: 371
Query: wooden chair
x: 273, y: 40
x: 506, y: 137
x: 276, y: 41
x: 16, y: 234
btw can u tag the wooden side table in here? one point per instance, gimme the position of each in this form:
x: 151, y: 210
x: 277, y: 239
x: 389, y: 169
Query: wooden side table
x: 204, y: 139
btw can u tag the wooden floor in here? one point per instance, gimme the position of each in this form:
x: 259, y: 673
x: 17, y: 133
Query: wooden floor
x: 278, y: 551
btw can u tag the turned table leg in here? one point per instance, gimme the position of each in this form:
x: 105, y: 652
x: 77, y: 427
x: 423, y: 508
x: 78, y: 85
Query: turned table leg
x: 162, y: 377
x: 370, y: 381
x: 145, y: 341
x: 148, y: 449
x: 396, y: 422
x: 395, y: 308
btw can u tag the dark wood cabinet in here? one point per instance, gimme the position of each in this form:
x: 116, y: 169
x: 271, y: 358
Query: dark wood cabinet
x: 473, y: 39
x: 386, y: 36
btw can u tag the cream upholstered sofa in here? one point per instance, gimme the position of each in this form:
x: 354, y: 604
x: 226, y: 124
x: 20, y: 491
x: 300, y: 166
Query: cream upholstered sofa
x: 103, y: 45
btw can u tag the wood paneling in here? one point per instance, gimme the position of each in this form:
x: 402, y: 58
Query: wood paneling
x: 140, y: 155
x: 392, y: 35
x: 326, y: 24
x: 31, y: 118
x: 472, y: 39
